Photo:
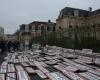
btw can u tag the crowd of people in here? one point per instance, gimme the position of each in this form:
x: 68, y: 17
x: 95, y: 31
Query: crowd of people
x: 8, y: 46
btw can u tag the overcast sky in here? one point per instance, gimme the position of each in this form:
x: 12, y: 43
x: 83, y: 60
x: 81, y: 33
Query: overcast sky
x: 16, y: 12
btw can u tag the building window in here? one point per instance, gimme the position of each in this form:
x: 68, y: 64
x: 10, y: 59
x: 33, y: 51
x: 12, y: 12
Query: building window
x: 72, y: 13
x: 76, y: 13
x: 54, y: 28
x: 36, y: 27
x: 48, y: 28
x: 94, y: 26
x: 59, y: 27
x: 30, y: 27
x: 22, y: 27
x: 42, y: 28
x: 70, y: 26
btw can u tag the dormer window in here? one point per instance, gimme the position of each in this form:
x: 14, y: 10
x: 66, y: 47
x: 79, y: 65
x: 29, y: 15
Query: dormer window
x: 76, y: 13
x: 69, y: 13
x: 61, y: 14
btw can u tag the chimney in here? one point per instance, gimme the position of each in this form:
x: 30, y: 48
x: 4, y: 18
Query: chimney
x: 90, y: 9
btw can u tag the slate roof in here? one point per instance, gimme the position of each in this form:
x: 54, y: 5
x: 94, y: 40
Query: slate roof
x: 84, y: 13
x: 38, y: 23
x: 95, y: 12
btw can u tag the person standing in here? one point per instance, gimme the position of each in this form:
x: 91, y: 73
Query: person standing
x: 2, y: 46
x: 9, y: 45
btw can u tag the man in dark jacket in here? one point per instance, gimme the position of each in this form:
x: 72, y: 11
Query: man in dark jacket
x: 2, y: 46
x: 9, y: 45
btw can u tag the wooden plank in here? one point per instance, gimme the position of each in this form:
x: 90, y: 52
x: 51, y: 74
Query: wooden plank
x: 26, y: 59
x: 37, y: 63
x: 3, y: 69
x: 25, y: 64
x: 22, y: 74
x: 13, y: 56
x: 51, y: 62
x: 50, y: 76
x: 21, y: 60
x: 68, y: 73
x: 2, y: 76
x: 56, y: 76
x: 4, y: 63
x: 85, y: 59
x: 48, y: 58
x: 31, y: 59
x: 41, y: 67
x: 41, y: 74
x: 16, y: 61
x: 11, y: 76
x: 43, y: 64
x: 42, y: 59
x: 11, y: 68
x: 31, y: 64
x: 87, y: 51
x: 71, y: 68
x: 30, y: 70
x: 97, y: 61
x: 19, y: 68
x: 72, y: 75
x: 58, y: 67
x: 89, y: 76
x: 77, y: 65
x: 96, y: 72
